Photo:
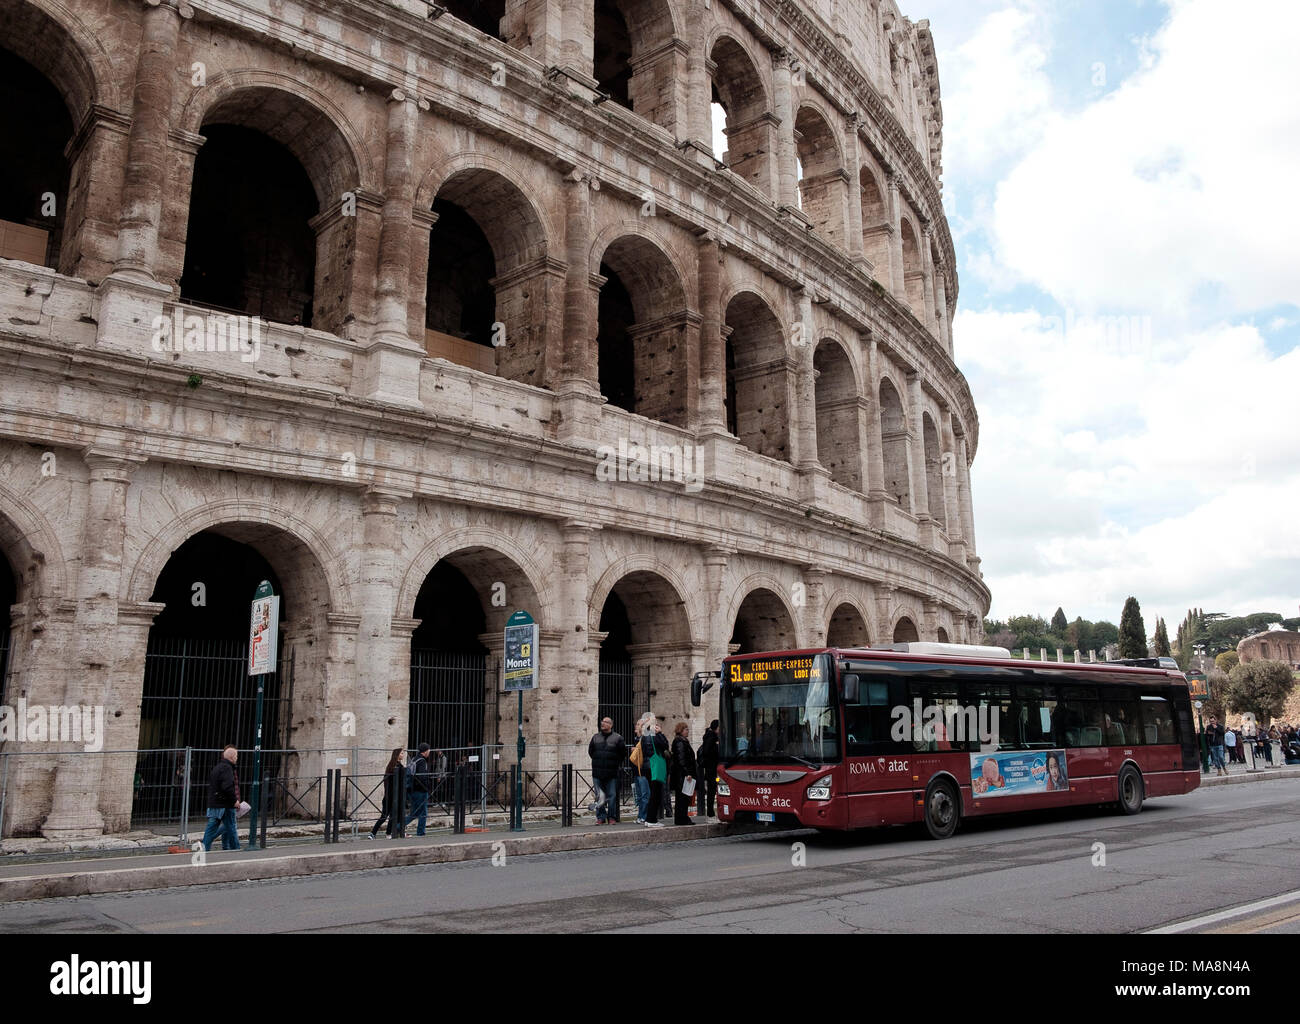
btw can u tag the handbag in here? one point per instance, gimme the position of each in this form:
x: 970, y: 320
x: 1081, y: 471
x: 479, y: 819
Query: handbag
x: 688, y: 787
x: 635, y: 756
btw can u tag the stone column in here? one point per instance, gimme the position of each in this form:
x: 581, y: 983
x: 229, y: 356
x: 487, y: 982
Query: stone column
x: 145, y: 180
x: 417, y: 289
x: 699, y: 115
x: 75, y: 811
x: 804, y: 447
x: 96, y: 161
x: 948, y: 468
x: 854, y: 167
x: 814, y: 611
x: 715, y: 574
x: 874, y: 445
x: 896, y: 241
x: 578, y: 389
x: 571, y: 687
x: 783, y: 107
x: 963, y: 497
x: 375, y: 647
x: 713, y: 356
x: 916, y: 448
x: 885, y: 612
x: 941, y: 310
x: 392, y: 359
x: 927, y: 280
x: 929, y: 626
x: 577, y: 36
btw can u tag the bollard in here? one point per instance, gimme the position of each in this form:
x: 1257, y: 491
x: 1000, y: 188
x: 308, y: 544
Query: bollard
x: 329, y: 792
x: 338, y: 801
x: 515, y: 825
x: 458, y: 801
x: 261, y: 812
x: 566, y: 796
x: 185, y: 798
x: 397, y: 802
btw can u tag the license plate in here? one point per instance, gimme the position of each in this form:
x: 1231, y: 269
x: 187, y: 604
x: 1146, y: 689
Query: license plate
x: 767, y: 817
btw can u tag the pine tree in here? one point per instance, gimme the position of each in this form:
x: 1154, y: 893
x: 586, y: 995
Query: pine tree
x: 1132, y: 632
x: 1059, y: 623
x: 1162, y: 640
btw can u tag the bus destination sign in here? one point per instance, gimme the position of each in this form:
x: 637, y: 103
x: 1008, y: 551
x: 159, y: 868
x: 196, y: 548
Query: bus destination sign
x: 786, y: 668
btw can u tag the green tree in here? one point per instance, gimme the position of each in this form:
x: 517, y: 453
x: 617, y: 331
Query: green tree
x: 1227, y: 661
x: 1104, y: 633
x: 1260, y: 687
x: 1132, y: 633
x: 1059, y: 623
x: 1216, y: 704
x: 1162, y: 639
x: 1079, y: 635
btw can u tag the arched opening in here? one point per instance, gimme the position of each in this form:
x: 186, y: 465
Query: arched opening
x: 894, y: 441
x: 759, y: 377
x: 934, y: 471
x: 279, y: 243
x: 749, y: 127
x: 836, y: 396
x: 641, y: 328
x: 490, y: 299
x: 36, y: 127
x: 645, y: 648
x: 905, y: 631
x: 942, y: 635
x: 876, y: 230
x: 449, y: 704
x: 913, y: 273
x: 763, y: 623
x: 822, y: 179
x: 847, y: 628
x: 484, y: 15
x: 8, y: 598
x: 197, y: 691
x: 632, y: 60
x: 250, y: 244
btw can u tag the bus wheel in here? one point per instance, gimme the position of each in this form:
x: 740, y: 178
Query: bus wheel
x: 1131, y: 790
x: 942, y: 809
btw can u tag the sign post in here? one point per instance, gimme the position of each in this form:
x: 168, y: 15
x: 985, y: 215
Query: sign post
x: 520, y: 675
x: 263, y: 651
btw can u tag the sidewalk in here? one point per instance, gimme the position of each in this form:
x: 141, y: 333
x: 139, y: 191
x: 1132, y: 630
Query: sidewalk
x: 91, y: 875
x: 1238, y: 773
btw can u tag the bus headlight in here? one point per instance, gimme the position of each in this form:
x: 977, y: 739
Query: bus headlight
x: 723, y: 788
x: 821, y: 789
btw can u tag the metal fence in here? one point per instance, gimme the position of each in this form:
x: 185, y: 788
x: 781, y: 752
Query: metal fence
x: 453, y: 699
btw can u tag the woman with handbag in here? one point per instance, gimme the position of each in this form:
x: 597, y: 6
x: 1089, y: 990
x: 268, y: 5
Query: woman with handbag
x: 641, y: 781
x: 654, y: 768
x: 683, y: 774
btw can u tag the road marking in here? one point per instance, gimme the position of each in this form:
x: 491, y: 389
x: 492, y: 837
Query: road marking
x: 1223, y: 915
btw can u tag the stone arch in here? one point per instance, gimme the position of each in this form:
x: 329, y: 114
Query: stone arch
x: 521, y: 568
x: 823, y: 187
x: 304, y: 120
x: 29, y: 543
x: 876, y: 228
x: 837, y: 403
x: 913, y: 269
x: 770, y: 604
x: 933, y: 469
x: 760, y: 375
x: 633, y: 58
x: 894, y: 444
x: 640, y: 565
x: 487, y: 264
x: 55, y: 41
x: 905, y: 629
x: 740, y: 89
x: 848, y: 624
x: 942, y: 636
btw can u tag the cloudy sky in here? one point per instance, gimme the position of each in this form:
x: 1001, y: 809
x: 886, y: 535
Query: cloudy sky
x: 1122, y: 180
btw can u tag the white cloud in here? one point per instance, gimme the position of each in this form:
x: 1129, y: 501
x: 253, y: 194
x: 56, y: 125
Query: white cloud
x: 1165, y: 467
x: 1176, y: 186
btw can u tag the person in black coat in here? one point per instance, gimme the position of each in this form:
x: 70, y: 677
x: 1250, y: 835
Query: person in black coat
x: 607, y: 751
x: 223, y: 798
x: 682, y: 767
x: 707, y: 784
x: 388, y: 807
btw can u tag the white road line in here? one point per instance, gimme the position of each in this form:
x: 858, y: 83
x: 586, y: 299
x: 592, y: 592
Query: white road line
x: 1223, y: 915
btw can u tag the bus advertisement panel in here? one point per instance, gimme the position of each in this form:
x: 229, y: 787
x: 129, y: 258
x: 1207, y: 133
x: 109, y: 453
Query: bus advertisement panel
x: 1014, y: 773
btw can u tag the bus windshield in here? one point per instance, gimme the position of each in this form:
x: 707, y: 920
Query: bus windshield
x: 779, y: 708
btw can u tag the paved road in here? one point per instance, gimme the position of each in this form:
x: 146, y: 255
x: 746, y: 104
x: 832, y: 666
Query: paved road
x: 1041, y: 875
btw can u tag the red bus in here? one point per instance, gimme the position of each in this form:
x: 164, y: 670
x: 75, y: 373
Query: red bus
x: 934, y: 733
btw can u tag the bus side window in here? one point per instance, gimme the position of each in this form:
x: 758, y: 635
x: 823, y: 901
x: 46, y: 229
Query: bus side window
x: 868, y: 723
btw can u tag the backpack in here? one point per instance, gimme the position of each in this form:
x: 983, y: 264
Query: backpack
x: 410, y: 775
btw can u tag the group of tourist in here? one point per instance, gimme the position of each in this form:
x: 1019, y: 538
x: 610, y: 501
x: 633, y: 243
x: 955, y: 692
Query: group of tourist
x: 1228, y: 746
x: 668, y: 777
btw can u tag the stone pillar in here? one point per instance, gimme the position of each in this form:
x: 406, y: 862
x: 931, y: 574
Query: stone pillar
x: 927, y: 280
x: 803, y: 452
x: 713, y: 356
x: 96, y: 161
x: 814, y: 611
x: 145, y: 179
x: 578, y: 389
x: 377, y: 646
x: 941, y: 308
x: 963, y: 497
x: 897, y: 283
x: 699, y: 114
x: 783, y: 107
x: 571, y: 687
x: 417, y: 289
x: 98, y: 586
x: 715, y: 574
x: 948, y: 468
x: 853, y: 164
x: 929, y: 626
x: 885, y: 612
x: 916, y: 448
x: 390, y: 370
x: 873, y: 445
x: 577, y: 36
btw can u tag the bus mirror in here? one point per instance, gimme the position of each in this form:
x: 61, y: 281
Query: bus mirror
x: 851, y: 684
x: 695, y: 691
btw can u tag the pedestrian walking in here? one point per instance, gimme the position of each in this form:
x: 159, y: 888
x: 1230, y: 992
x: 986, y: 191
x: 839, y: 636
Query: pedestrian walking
x: 389, y: 803
x: 223, y: 798
x: 420, y: 779
x: 707, y: 784
x: 1214, y: 736
x: 654, y: 766
x: 640, y: 781
x: 607, y: 750
x: 1230, y: 744
x: 684, y: 771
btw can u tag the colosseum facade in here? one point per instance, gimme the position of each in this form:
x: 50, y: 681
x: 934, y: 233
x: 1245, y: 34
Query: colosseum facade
x: 426, y: 315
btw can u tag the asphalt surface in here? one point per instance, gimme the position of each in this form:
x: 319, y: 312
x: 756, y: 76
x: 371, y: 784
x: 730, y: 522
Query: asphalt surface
x: 1224, y: 860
